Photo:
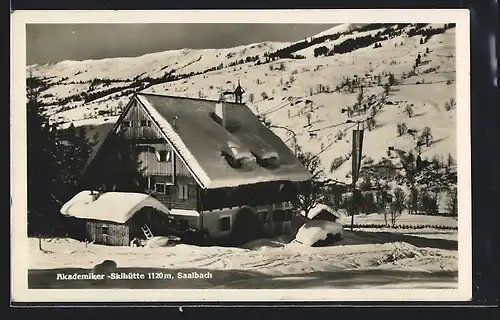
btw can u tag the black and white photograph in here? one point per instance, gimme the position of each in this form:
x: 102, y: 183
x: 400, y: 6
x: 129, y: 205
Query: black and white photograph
x: 307, y: 155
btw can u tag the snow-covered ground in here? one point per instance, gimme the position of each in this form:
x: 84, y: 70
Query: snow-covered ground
x: 361, y: 259
x: 405, y: 219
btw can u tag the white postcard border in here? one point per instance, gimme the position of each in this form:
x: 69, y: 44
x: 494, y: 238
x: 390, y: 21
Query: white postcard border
x: 19, y: 240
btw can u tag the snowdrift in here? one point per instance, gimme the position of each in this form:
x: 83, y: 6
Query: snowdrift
x: 317, y: 230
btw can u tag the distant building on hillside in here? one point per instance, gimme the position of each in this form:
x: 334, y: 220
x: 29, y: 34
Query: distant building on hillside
x: 213, y: 164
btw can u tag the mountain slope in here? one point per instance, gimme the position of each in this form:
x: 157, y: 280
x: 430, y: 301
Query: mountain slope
x: 285, y: 84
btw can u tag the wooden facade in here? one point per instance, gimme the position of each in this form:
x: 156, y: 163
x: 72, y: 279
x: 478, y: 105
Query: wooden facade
x: 156, y: 155
x: 268, y: 193
x: 120, y: 234
x: 170, y: 181
x: 108, y: 233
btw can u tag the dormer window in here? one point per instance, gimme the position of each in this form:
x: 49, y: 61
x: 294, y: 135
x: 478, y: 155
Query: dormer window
x: 268, y: 162
x: 237, y: 156
x: 160, y: 188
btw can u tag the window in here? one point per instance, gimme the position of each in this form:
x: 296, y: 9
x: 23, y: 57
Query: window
x: 160, y: 187
x: 183, y: 224
x: 145, y: 123
x: 163, y: 156
x: 126, y: 124
x: 225, y: 224
x: 104, y: 229
x: 183, y: 191
x: 288, y: 215
x: 262, y: 216
x: 146, y: 148
x: 279, y: 216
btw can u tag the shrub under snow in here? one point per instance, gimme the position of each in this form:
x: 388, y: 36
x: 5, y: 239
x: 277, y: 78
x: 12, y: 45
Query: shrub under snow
x: 317, y: 230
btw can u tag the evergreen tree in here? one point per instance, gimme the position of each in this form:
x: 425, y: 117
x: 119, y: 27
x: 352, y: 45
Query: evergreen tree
x: 418, y: 60
x: 452, y: 204
x: 42, y: 166
x: 118, y: 168
x: 74, y: 156
x: 391, y: 80
x: 412, y: 201
x: 427, y: 203
x: 397, y: 205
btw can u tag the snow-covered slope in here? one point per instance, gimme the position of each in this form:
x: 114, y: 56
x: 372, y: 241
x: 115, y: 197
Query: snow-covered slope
x: 295, y: 88
x: 341, y: 28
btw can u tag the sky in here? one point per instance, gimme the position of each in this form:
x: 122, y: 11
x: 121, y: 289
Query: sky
x: 51, y: 43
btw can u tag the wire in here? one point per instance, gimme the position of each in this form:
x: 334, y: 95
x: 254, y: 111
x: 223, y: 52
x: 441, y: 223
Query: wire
x: 328, y: 146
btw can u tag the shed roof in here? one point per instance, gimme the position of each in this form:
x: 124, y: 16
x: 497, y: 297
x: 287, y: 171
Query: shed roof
x: 117, y: 207
x: 317, y: 209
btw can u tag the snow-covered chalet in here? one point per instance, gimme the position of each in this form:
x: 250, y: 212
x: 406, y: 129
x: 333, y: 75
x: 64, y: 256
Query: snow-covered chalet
x: 213, y: 164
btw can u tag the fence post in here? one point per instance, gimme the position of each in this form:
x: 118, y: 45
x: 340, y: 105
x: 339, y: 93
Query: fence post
x: 40, y: 242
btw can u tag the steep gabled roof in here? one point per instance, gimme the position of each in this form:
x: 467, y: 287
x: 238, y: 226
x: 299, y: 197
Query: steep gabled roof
x: 203, y: 144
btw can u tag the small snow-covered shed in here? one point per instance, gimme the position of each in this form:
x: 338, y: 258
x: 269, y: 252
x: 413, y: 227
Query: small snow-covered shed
x: 114, y: 218
x: 325, y: 213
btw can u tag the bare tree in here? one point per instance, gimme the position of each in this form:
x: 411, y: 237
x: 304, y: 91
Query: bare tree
x: 310, y: 193
x: 371, y: 123
x: 409, y: 110
x: 360, y: 96
x: 427, y: 136
x: 402, y: 128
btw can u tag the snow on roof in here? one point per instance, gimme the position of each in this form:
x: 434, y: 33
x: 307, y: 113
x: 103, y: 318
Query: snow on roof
x: 342, y: 28
x: 82, y: 198
x: 200, y: 140
x: 110, y: 206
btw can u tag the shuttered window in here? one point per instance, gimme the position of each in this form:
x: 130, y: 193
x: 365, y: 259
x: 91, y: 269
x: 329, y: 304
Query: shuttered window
x: 225, y: 223
x: 163, y: 156
x: 183, y: 224
x: 146, y: 148
x: 160, y: 188
x: 145, y: 123
x: 183, y: 192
